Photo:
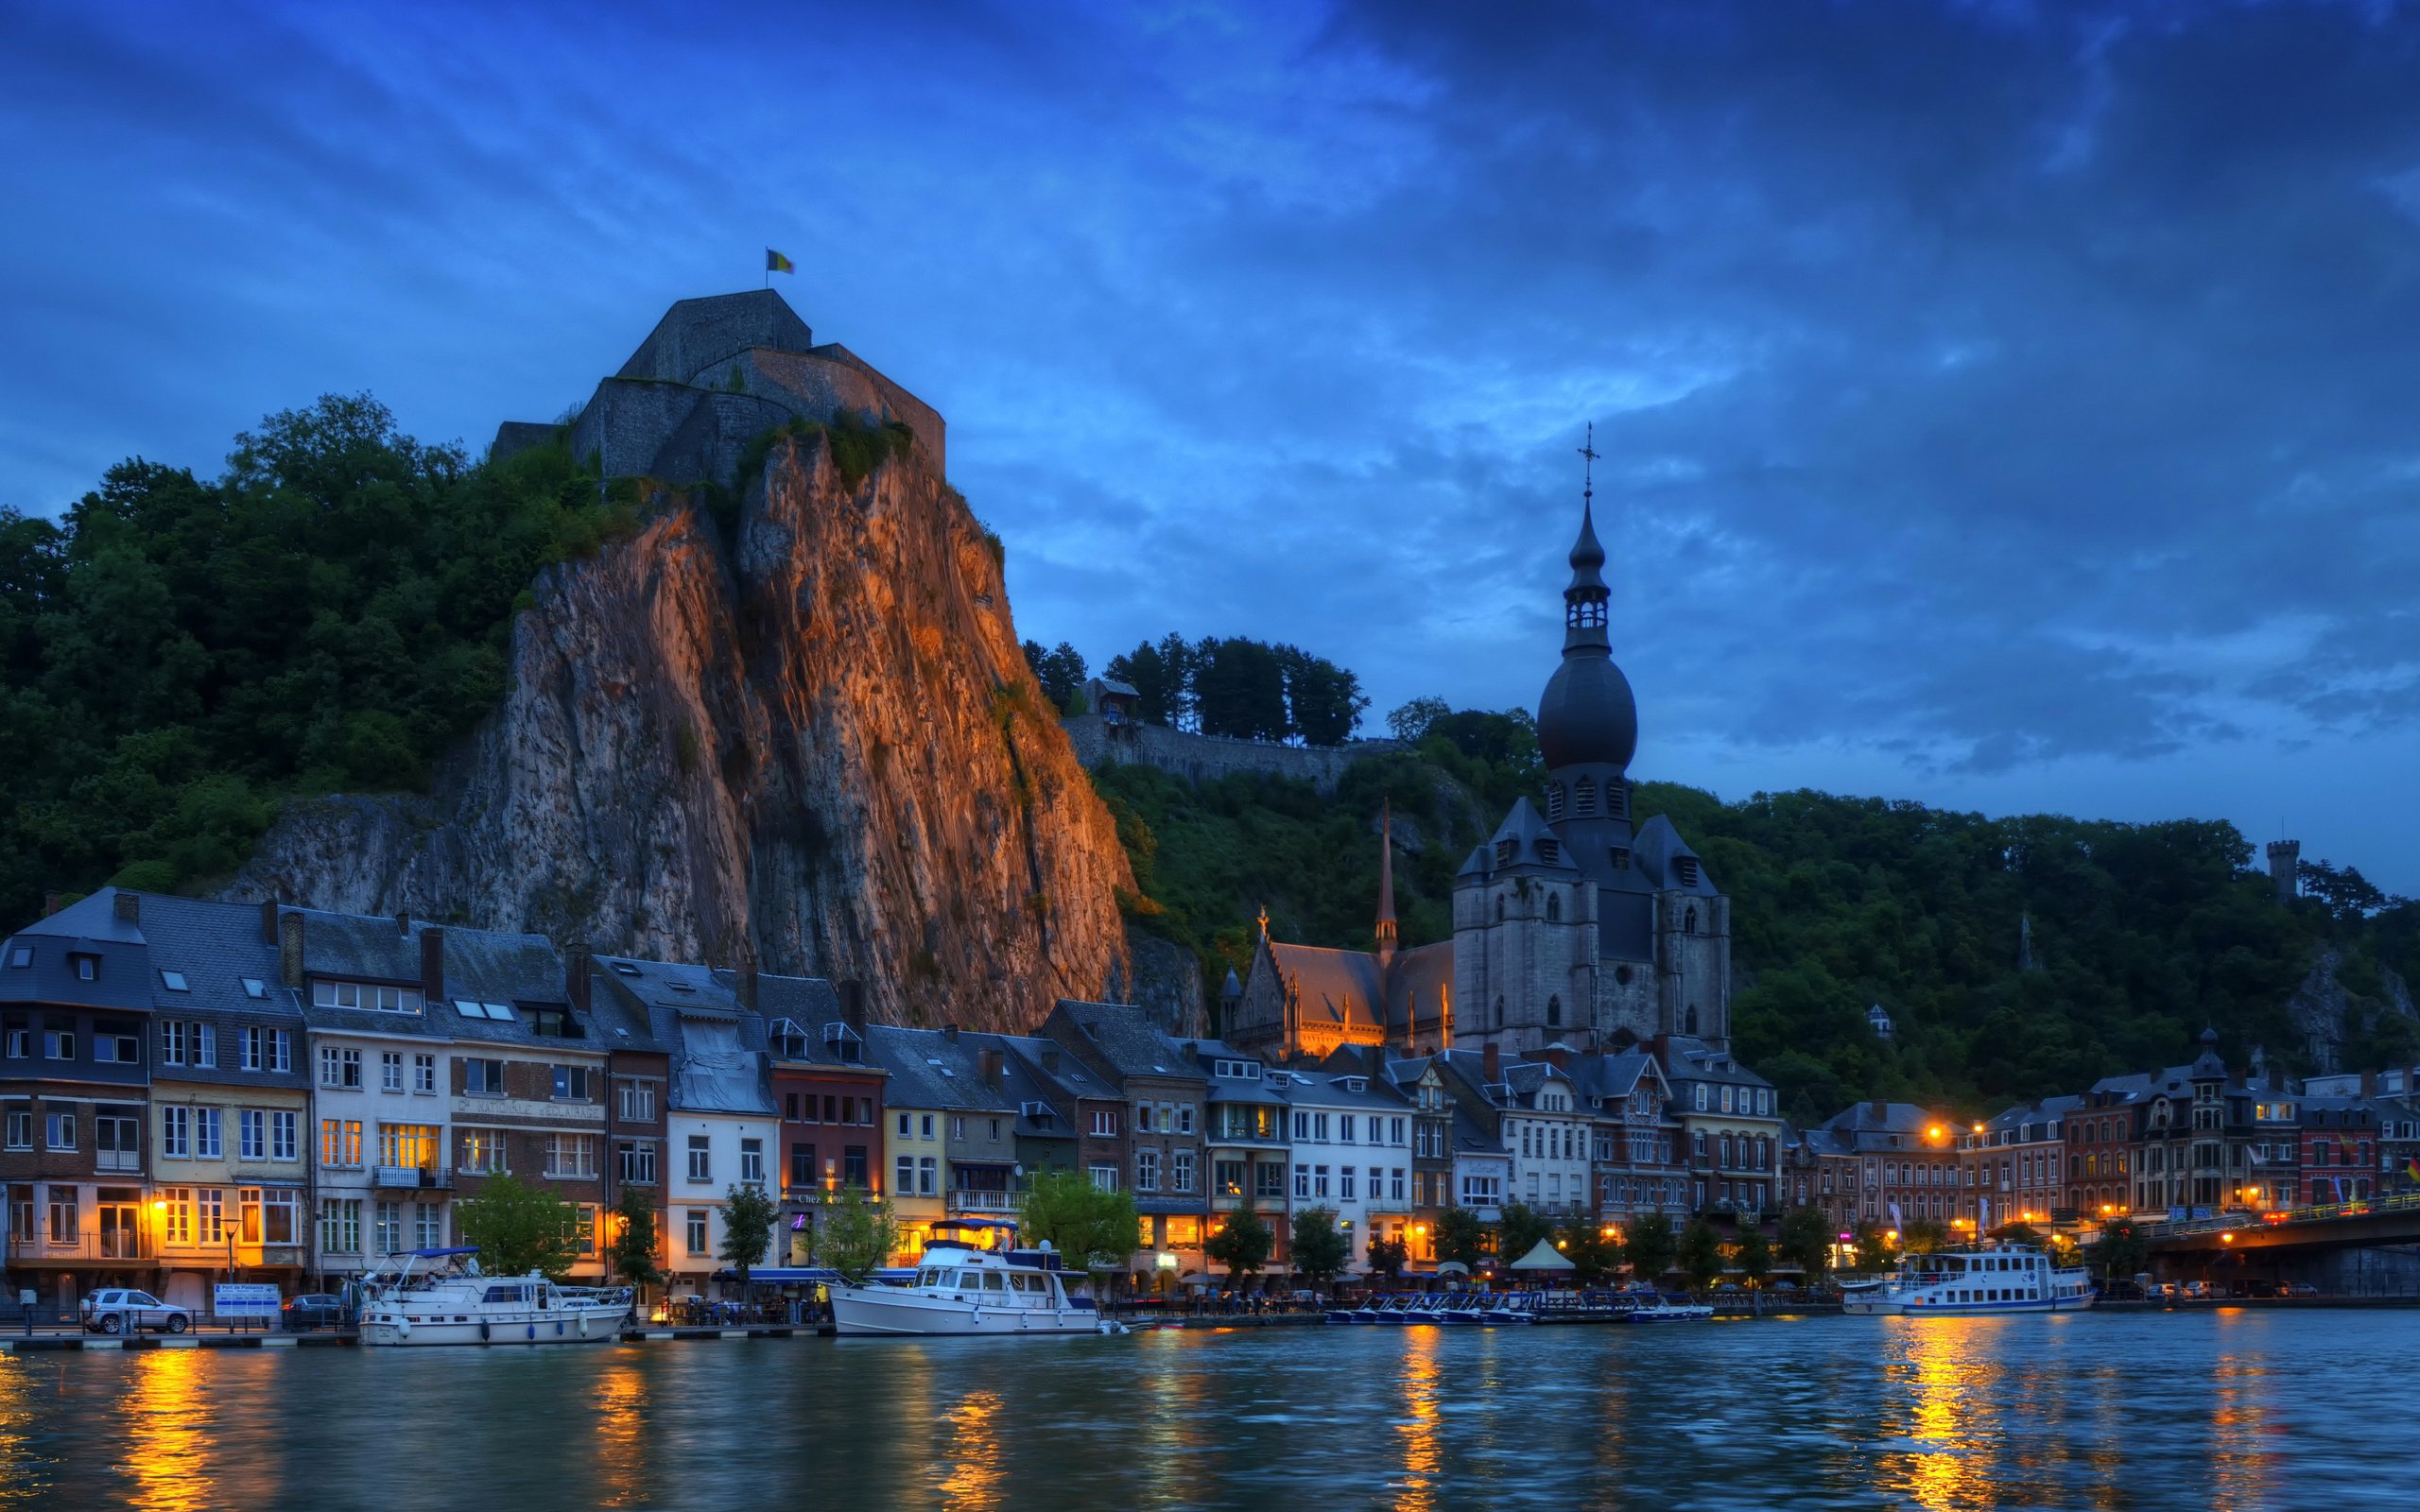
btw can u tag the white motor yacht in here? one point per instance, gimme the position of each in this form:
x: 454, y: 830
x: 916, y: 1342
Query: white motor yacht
x: 964, y: 1287
x: 440, y: 1297
x: 1972, y: 1283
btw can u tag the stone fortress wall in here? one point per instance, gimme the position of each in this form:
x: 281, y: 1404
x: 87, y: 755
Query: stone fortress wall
x: 714, y: 374
x: 1204, y: 758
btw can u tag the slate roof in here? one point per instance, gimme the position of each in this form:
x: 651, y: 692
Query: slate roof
x: 929, y: 1071
x: 511, y: 970
x: 809, y: 1002
x: 720, y: 1058
x: 1023, y: 1081
x: 1417, y: 982
x: 1525, y: 1079
x: 1692, y: 1059
x: 1128, y: 1042
x: 1206, y: 1054
x: 89, y: 926
x: 1656, y: 853
x: 1332, y: 987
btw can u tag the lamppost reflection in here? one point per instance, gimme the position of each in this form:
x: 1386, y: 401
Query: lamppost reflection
x: 977, y: 1472
x: 1423, y: 1451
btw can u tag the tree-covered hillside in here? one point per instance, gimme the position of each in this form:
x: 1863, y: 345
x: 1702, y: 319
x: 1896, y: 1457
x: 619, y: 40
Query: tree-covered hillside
x: 2141, y: 934
x: 179, y: 654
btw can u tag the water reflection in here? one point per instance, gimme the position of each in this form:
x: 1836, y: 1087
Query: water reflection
x: 164, y: 1445
x: 1424, y: 1456
x: 621, y: 1404
x: 976, y: 1478
x: 2144, y: 1412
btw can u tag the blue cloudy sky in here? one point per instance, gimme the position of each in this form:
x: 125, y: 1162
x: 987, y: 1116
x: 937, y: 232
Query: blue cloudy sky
x: 2005, y: 405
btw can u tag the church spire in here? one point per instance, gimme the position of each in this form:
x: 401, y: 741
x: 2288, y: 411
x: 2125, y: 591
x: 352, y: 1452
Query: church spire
x: 1583, y: 602
x: 1386, y: 881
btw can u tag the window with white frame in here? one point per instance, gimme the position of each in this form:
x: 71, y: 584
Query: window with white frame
x: 1104, y: 1178
x: 205, y: 1134
x: 176, y: 1132
x: 252, y: 1134
x: 571, y: 1155
x: 701, y: 1159
x: 391, y: 1071
x: 637, y: 1161
x: 339, y: 1067
x: 695, y: 1230
x: 1147, y: 1170
x: 752, y: 1162
x: 1181, y: 1171
x: 1104, y: 1123
x: 251, y: 1046
x: 283, y: 1129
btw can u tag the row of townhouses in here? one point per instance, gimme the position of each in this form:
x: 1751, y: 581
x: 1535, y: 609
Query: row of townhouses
x: 2188, y: 1141
x: 196, y: 1091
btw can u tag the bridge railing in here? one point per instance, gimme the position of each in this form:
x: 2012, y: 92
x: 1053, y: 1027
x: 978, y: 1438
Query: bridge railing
x: 2321, y: 1212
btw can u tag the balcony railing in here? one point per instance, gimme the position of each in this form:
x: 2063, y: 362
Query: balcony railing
x: 967, y: 1200
x: 413, y: 1177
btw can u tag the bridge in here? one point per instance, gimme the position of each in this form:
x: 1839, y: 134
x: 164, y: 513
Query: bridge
x: 2370, y: 1247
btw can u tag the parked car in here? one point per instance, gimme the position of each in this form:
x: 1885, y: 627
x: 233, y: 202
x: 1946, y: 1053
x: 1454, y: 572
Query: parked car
x: 118, y: 1310
x: 2163, y: 1292
x: 2302, y: 1289
x: 312, y: 1310
x: 2198, y: 1291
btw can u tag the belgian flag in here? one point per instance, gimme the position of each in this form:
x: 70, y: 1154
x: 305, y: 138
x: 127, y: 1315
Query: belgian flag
x: 776, y: 262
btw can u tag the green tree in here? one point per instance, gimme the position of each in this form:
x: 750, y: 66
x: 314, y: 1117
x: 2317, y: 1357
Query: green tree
x: 1460, y: 1236
x: 517, y: 1228
x: 1410, y: 722
x: 1700, y: 1253
x: 1388, y: 1257
x: 1321, y: 1249
x: 1594, y: 1253
x: 855, y: 1233
x: 1091, y: 1228
x: 1652, y: 1246
x: 1924, y: 1236
x: 1242, y: 1243
x: 1520, y: 1229
x: 1806, y: 1241
x: 632, y: 1252
x: 2122, y: 1251
x: 2019, y: 1233
x: 1753, y: 1253
x: 1060, y: 670
x: 1876, y: 1249
x: 748, y: 1214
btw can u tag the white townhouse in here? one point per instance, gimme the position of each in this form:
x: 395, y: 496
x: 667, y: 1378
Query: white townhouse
x: 1549, y: 1135
x: 1351, y: 1150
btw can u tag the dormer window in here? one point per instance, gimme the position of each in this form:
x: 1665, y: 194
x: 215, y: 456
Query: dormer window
x: 1504, y: 851
x: 174, y: 980
x: 1549, y: 851
x: 88, y: 968
x: 843, y: 1042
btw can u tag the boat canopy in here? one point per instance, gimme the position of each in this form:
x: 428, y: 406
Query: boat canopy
x: 442, y: 1254
x: 1010, y: 1224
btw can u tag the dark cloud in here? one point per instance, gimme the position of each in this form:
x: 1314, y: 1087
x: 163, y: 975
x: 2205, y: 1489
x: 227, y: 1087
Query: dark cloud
x: 1998, y: 401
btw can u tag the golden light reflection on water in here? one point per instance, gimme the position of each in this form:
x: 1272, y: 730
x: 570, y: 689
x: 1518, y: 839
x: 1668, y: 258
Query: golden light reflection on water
x: 1172, y: 1430
x: 621, y: 1414
x: 2241, y: 1420
x: 1424, y: 1455
x: 1948, y: 1373
x: 164, y: 1448
x: 17, y: 1402
x: 976, y: 1474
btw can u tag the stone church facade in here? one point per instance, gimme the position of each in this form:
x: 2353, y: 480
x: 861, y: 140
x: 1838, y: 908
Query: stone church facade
x: 1576, y: 925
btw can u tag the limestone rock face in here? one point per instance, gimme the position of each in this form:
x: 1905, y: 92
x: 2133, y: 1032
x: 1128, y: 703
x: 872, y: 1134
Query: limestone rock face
x: 2327, y: 1013
x: 820, y: 749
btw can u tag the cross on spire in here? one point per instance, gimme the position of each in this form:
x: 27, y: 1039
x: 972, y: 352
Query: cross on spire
x: 1588, y: 467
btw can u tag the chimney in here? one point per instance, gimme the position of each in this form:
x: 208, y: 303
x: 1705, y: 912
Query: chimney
x: 127, y: 906
x: 744, y: 983
x: 1050, y: 1059
x: 852, y: 1006
x: 432, y: 964
x: 576, y: 978
x: 290, y: 949
x: 1490, y: 1064
x: 989, y: 1059
x: 403, y: 926
x: 2369, y: 1084
x: 949, y: 1032
x: 268, y: 920
x: 1559, y: 1055
x: 49, y: 903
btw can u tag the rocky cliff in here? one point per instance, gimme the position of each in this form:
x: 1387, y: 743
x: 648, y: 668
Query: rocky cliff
x: 813, y: 742
x: 2326, y: 1011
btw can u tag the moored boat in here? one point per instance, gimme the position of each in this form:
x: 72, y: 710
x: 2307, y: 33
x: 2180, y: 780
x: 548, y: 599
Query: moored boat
x: 440, y: 1297
x: 964, y: 1288
x: 1667, y: 1310
x: 1970, y: 1283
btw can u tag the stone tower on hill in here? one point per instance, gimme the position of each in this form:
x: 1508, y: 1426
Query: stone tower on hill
x: 2284, y: 866
x: 714, y: 375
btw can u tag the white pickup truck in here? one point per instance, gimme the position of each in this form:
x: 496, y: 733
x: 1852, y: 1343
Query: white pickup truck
x: 119, y: 1309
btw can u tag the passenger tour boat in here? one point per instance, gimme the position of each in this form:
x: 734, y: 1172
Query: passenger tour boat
x: 964, y: 1287
x: 1972, y: 1283
x: 451, y: 1302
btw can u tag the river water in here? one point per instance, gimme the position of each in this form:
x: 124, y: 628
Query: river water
x: 2224, y: 1410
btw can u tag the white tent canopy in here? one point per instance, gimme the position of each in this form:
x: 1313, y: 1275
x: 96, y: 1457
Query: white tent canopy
x: 1546, y: 1257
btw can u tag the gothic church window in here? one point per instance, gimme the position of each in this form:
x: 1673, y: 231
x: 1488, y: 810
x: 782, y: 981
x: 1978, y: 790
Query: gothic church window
x: 1693, y: 1019
x: 1689, y: 920
x: 1499, y: 908
x: 1554, y: 1011
x: 1499, y: 1012
x: 1554, y: 908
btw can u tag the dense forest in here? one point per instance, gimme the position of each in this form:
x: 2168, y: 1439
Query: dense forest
x: 2142, y: 935
x: 1230, y: 685
x: 178, y: 655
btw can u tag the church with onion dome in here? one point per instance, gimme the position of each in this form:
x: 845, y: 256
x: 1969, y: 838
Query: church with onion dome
x: 1580, y: 925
